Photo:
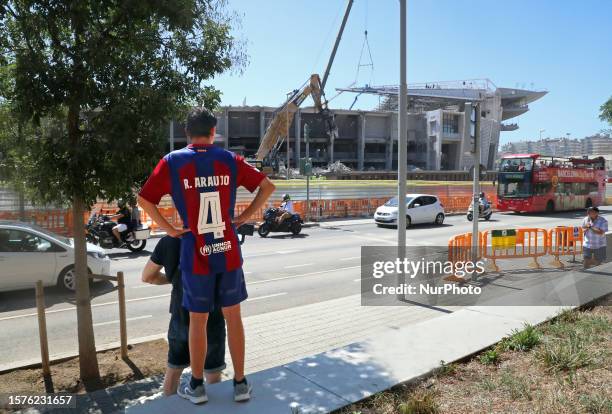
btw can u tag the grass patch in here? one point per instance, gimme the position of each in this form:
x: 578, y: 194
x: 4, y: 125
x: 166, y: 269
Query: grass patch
x: 369, y: 183
x: 422, y: 402
x: 445, y: 369
x: 523, y: 340
x: 516, y: 386
x: 490, y: 357
x: 565, y: 355
x: 560, y: 367
x: 596, y: 403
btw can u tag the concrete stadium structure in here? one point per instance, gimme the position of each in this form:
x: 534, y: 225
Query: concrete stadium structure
x: 367, y: 140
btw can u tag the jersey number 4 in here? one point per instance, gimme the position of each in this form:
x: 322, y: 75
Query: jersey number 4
x: 210, y: 205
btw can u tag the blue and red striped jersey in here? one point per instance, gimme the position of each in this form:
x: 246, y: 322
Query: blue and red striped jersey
x: 202, y: 180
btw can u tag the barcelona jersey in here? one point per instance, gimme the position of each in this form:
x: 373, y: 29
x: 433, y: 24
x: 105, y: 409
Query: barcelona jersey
x: 202, y: 181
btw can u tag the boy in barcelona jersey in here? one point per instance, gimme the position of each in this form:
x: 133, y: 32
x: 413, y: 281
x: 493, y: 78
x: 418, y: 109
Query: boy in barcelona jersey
x: 202, y: 180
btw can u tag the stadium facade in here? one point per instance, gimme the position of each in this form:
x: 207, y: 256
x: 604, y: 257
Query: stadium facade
x: 367, y: 140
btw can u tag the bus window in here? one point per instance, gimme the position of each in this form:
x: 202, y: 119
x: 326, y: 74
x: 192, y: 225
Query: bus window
x: 542, y: 188
x: 516, y: 164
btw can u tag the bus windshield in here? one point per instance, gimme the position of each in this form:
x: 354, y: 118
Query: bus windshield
x: 516, y: 164
x: 514, y: 189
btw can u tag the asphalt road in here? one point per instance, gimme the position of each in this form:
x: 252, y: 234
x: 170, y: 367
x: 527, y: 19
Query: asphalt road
x: 282, y: 271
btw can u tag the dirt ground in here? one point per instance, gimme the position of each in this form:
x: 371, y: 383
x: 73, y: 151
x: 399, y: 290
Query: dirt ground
x: 537, y: 380
x: 145, y: 360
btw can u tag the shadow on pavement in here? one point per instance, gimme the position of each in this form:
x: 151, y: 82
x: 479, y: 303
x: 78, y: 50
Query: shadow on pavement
x: 25, y: 299
x: 128, y: 255
x: 288, y: 236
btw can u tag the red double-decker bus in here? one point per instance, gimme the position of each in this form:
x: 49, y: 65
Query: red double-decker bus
x: 534, y: 183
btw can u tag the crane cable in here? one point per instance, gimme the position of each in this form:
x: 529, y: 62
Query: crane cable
x: 365, y: 46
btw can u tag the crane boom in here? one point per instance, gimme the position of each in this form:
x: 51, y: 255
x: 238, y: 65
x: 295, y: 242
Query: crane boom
x: 277, y: 129
x: 349, y: 4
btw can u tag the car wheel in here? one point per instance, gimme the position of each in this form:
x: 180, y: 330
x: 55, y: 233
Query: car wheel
x: 67, y: 279
x: 408, y: 221
x: 439, y: 219
x: 470, y: 217
x: 550, y: 207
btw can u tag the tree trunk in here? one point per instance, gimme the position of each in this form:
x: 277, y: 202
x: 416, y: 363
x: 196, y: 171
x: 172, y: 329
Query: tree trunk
x: 88, y: 361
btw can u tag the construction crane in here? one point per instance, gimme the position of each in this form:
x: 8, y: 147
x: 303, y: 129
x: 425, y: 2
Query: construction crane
x: 278, y: 129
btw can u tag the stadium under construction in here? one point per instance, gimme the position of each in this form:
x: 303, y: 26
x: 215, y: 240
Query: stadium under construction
x: 367, y: 140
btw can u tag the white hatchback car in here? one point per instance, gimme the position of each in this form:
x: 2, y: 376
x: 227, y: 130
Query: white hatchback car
x: 29, y: 253
x: 420, y: 208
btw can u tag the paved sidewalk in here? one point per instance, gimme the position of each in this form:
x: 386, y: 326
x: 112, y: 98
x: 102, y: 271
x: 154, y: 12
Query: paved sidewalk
x: 291, y: 365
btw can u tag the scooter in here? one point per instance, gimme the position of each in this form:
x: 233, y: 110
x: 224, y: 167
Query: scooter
x: 270, y: 224
x: 484, y: 211
x: 99, y: 231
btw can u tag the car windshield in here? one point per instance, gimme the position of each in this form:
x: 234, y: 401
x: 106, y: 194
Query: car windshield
x: 56, y: 236
x: 393, y: 202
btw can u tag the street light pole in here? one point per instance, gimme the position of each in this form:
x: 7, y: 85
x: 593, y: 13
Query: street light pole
x: 402, y: 148
x: 307, y: 140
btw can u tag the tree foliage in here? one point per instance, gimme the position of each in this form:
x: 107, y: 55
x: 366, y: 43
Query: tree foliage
x: 87, y: 89
x: 124, y: 67
x: 606, y: 111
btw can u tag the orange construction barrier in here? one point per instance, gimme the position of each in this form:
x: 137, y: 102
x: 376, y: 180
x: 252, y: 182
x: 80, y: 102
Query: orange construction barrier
x: 460, y: 252
x: 563, y: 240
x: 514, y: 243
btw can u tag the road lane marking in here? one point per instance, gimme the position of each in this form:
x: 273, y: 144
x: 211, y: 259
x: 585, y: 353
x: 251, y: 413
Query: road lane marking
x: 168, y: 294
x: 298, y: 265
x: 302, y: 275
x: 92, y: 305
x: 266, y: 296
x: 374, y: 239
x: 128, y: 319
x: 248, y: 256
x: 350, y: 258
x: 147, y: 285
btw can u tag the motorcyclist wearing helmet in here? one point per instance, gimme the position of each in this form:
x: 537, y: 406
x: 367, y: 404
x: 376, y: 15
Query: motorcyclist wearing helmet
x: 482, y: 200
x: 286, y: 209
x: 124, y: 219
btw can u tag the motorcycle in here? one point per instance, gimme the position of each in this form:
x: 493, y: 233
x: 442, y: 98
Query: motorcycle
x: 99, y: 231
x: 484, y: 211
x: 270, y: 224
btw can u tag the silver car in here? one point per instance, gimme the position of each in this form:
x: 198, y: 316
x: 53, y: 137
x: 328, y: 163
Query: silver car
x: 29, y: 253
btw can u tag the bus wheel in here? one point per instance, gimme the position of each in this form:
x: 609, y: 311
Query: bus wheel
x: 550, y: 206
x: 589, y: 203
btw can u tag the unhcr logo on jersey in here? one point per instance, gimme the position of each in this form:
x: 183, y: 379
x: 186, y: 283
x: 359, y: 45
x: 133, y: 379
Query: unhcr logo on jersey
x: 213, y: 248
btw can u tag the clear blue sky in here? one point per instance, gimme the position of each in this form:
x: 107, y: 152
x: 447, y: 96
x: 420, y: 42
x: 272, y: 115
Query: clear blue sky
x: 559, y: 45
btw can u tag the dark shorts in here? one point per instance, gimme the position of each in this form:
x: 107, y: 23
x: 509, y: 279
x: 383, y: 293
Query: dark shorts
x: 201, y: 293
x: 178, y: 345
x: 599, y: 253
